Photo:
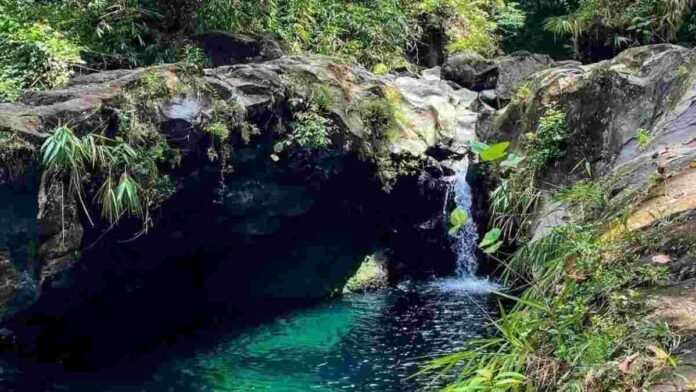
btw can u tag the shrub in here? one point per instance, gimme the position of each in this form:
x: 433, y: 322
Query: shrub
x: 577, y: 316
x: 310, y: 131
x: 546, y: 144
x: 620, y: 23
x: 367, y: 32
x: 33, y: 57
x: 310, y: 127
x: 513, y: 204
x: 473, y: 25
x: 643, y: 138
x: 375, y: 33
x: 127, y: 33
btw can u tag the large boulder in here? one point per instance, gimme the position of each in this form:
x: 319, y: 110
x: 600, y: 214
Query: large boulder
x: 644, y: 92
x: 514, y: 69
x: 226, y: 48
x: 471, y: 70
x: 503, y: 74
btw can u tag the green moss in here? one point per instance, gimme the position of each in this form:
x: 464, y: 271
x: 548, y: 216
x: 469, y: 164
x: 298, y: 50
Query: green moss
x: 523, y: 92
x: 14, y: 152
x: 380, y: 118
x: 380, y: 69
x: 682, y: 81
x: 154, y: 83
x: 398, y: 112
x: 370, y: 275
x: 384, y: 119
x: 321, y: 96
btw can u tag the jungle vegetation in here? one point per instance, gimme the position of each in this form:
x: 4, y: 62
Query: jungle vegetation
x: 42, y: 43
x: 549, y: 340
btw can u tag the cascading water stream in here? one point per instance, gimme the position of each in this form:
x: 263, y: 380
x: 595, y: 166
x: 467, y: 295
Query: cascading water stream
x: 467, y: 237
x: 465, y: 240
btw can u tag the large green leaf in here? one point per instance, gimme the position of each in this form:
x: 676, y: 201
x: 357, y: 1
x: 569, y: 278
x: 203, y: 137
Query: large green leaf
x: 458, y: 218
x: 492, y: 248
x: 491, y: 237
x: 532, y: 304
x: 495, y: 152
x: 490, y: 243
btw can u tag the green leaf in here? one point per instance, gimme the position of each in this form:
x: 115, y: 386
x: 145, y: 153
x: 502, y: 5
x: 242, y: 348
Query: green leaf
x: 477, y: 147
x: 491, y: 237
x: 507, y: 382
x: 495, y: 152
x: 458, y: 218
x: 512, y: 375
x: 512, y: 160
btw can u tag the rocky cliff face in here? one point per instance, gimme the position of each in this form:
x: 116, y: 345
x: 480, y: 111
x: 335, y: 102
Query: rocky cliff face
x: 644, y: 93
x: 266, y: 216
x: 619, y: 137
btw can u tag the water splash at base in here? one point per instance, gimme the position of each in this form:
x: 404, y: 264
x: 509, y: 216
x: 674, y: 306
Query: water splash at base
x: 470, y: 284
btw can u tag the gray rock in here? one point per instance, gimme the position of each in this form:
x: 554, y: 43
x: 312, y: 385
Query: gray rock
x: 286, y: 228
x: 513, y: 70
x: 489, y: 97
x: 470, y: 70
x: 648, y: 88
x: 225, y: 48
x: 434, y: 73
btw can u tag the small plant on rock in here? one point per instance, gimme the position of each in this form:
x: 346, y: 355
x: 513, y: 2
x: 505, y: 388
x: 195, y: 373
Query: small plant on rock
x: 643, y: 137
x: 309, y: 128
x: 546, y: 144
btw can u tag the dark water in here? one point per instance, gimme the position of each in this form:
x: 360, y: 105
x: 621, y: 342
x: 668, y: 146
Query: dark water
x: 370, y: 342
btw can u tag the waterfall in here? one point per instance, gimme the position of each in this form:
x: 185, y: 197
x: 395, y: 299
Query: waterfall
x: 467, y: 238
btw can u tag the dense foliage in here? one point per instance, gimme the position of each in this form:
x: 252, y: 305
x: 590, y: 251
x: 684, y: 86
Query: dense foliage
x: 32, y: 55
x: 598, y: 28
x: 41, y: 42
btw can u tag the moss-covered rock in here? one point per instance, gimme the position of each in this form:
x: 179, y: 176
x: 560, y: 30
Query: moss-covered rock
x: 606, y: 106
x: 371, y: 275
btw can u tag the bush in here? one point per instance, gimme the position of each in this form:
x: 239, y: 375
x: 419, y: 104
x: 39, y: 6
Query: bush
x: 617, y: 24
x: 33, y: 57
x: 579, y: 315
x: 374, y: 33
x: 474, y: 25
x: 546, y: 144
x: 42, y: 40
x: 367, y: 32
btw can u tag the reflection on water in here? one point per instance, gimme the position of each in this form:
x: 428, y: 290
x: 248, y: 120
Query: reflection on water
x: 370, y: 342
